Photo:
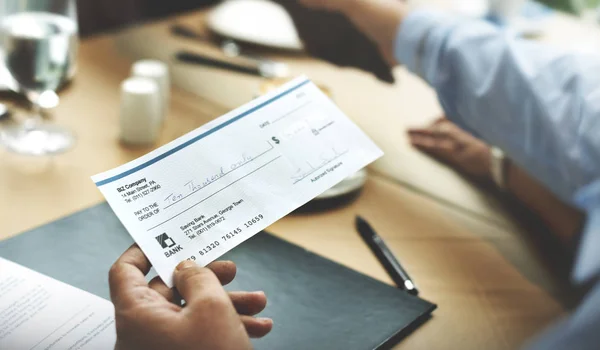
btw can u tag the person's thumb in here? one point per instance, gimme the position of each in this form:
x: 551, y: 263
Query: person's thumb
x: 195, y: 283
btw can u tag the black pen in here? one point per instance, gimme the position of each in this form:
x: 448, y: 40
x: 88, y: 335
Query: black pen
x: 385, y: 256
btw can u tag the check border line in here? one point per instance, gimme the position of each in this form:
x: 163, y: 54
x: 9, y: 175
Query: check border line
x: 224, y: 174
x: 201, y: 201
x: 199, y: 137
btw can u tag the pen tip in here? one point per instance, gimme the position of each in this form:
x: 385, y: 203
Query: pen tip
x: 359, y: 220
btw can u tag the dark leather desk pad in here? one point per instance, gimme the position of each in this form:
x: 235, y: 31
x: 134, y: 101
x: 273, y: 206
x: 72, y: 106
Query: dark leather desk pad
x: 314, y: 302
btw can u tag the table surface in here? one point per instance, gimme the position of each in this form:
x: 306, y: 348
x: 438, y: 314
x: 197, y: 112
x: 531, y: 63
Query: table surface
x: 464, y: 250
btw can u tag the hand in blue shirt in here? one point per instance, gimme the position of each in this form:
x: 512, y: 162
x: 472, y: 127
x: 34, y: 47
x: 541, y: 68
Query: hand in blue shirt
x: 541, y: 106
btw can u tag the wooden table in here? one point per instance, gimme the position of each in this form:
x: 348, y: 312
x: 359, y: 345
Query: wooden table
x: 463, y: 250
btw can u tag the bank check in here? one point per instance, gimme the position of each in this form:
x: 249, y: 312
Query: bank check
x: 208, y: 191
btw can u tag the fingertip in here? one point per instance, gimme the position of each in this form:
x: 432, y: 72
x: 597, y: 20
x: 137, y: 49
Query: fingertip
x: 424, y: 143
x: 416, y: 130
x: 265, y: 322
x: 223, y: 264
x: 225, y: 270
x: 248, y: 303
x: 414, y: 138
x: 186, y: 264
x: 266, y: 325
x: 127, y: 274
x: 136, y: 257
x: 439, y: 120
x: 421, y: 132
x: 260, y: 301
x: 257, y: 327
x: 194, y: 282
x: 412, y: 132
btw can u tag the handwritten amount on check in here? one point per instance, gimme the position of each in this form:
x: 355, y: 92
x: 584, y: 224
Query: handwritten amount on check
x: 193, y: 186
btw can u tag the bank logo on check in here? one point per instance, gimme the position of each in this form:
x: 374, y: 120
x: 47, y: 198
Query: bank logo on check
x: 165, y: 241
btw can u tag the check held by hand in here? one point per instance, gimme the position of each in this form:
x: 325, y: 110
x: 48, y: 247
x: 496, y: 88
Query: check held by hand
x: 148, y: 315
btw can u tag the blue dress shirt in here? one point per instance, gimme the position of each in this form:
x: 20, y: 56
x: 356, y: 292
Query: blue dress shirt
x: 539, y: 104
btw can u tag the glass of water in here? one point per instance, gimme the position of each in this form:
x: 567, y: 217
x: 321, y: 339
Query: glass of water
x: 39, y: 49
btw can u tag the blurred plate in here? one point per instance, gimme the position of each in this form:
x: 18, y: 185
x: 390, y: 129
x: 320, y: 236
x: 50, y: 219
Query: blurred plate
x: 3, y: 85
x: 341, y: 194
x: 258, y: 22
x: 352, y: 183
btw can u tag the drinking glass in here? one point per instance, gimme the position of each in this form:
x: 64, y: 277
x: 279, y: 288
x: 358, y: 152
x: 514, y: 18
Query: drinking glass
x: 39, y: 49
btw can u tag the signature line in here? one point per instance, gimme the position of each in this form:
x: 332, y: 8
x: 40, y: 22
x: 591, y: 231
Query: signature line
x: 230, y: 171
x: 322, y: 165
x: 205, y: 198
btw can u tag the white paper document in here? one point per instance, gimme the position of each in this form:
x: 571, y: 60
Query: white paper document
x: 38, y: 312
x: 206, y: 192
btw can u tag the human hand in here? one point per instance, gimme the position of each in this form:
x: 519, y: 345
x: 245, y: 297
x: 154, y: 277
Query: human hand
x: 356, y: 33
x: 147, y: 317
x: 448, y: 143
x: 377, y: 19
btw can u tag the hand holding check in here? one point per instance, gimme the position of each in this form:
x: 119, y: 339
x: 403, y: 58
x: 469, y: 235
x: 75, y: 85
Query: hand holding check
x: 149, y: 317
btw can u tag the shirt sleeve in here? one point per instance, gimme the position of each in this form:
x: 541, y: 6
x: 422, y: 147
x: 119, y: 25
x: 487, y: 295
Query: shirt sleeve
x: 579, y: 331
x: 539, y: 104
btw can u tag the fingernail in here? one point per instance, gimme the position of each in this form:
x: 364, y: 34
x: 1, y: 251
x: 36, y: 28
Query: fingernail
x: 186, y: 264
x: 259, y: 292
x: 265, y: 319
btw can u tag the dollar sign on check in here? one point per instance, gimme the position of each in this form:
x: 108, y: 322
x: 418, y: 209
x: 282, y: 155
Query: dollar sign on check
x: 276, y: 140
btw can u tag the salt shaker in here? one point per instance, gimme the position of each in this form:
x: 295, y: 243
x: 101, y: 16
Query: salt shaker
x: 159, y: 72
x: 141, y: 111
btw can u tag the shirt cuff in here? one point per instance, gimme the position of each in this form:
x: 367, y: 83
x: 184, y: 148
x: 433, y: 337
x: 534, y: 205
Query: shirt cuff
x: 587, y: 263
x: 412, y: 44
